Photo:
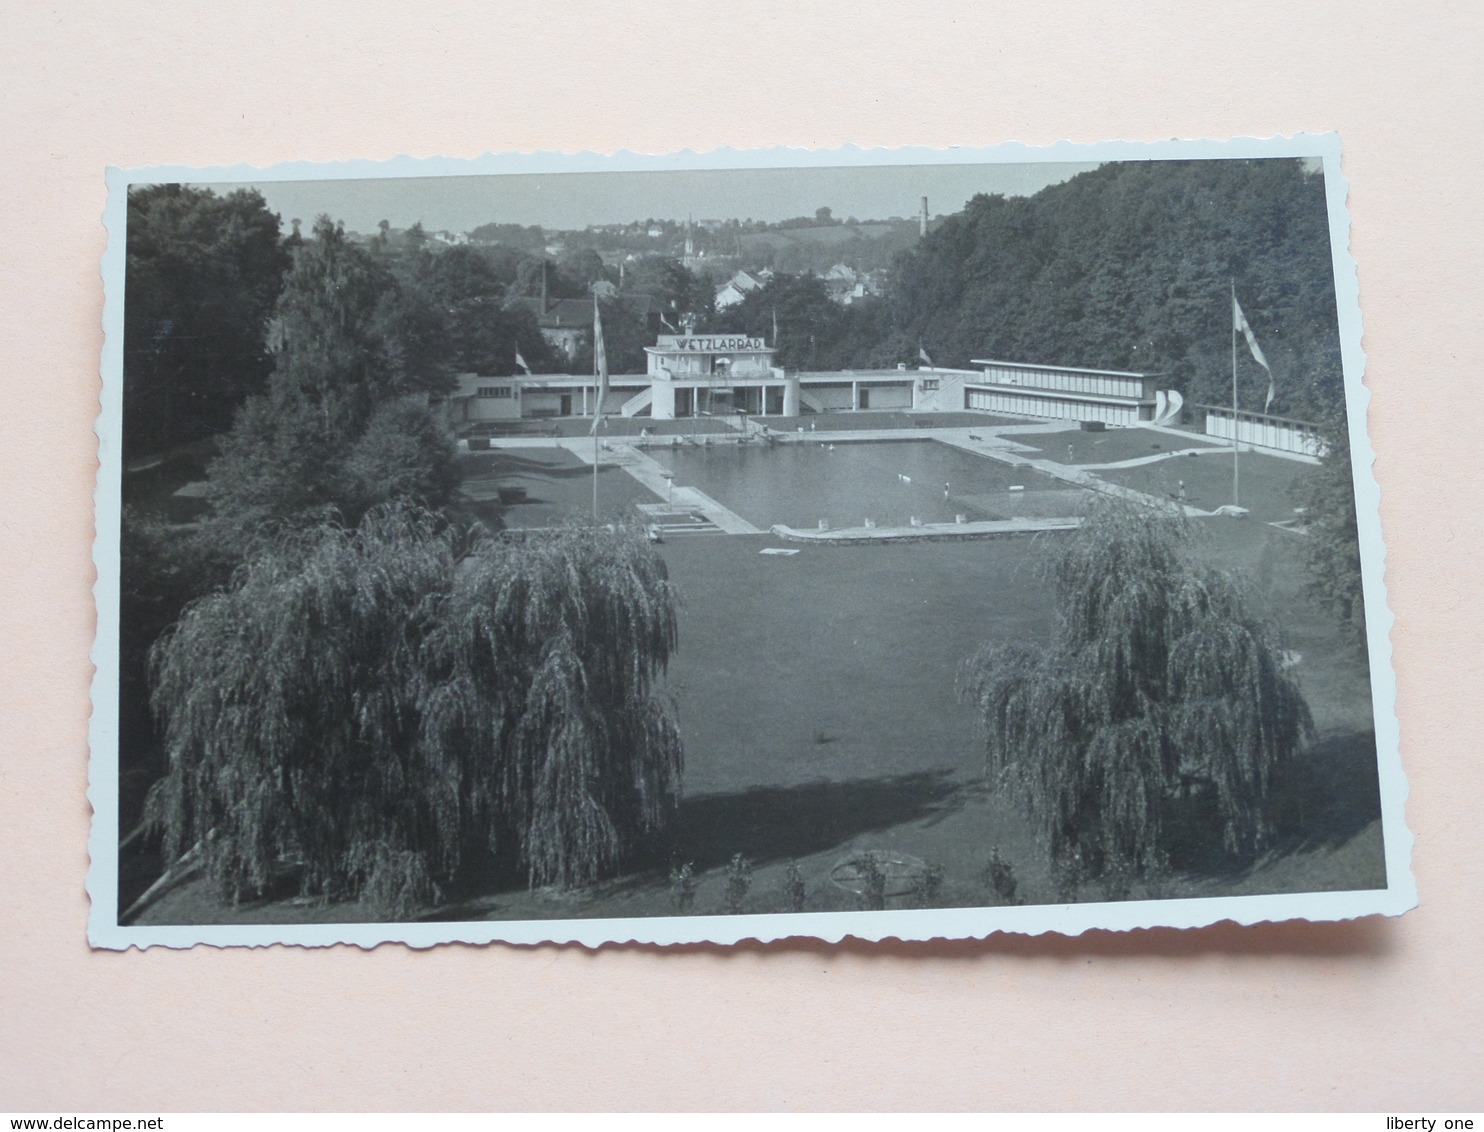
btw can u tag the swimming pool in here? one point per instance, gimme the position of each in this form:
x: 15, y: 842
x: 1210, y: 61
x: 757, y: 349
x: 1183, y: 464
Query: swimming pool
x: 890, y: 482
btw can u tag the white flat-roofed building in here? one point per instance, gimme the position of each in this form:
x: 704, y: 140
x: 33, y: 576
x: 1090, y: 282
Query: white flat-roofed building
x: 493, y: 399
x: 1263, y: 430
x: 919, y: 390
x: 693, y: 374
x: 689, y: 375
x: 1021, y: 389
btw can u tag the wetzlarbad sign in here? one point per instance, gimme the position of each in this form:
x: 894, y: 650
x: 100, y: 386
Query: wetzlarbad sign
x: 709, y: 344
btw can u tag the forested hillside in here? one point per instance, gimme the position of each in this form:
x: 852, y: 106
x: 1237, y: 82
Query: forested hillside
x: 1130, y: 266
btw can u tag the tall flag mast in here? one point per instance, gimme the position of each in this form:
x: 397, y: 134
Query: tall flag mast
x: 600, y: 370
x: 1239, y: 322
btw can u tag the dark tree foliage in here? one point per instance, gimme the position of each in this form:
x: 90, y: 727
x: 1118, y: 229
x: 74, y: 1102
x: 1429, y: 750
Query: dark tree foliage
x: 1158, y: 680
x: 527, y: 238
x: 814, y: 332
x: 163, y: 566
x: 529, y: 273
x: 1130, y: 266
x: 1332, y: 550
x: 584, y: 267
x: 349, y: 342
x: 404, y: 453
x: 203, y: 273
x: 364, y: 708
x: 625, y: 334
x: 479, y: 333
x: 678, y: 290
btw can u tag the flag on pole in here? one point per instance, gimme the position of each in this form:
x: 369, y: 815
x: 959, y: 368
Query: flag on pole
x: 1239, y: 320
x: 600, y: 365
x: 775, y: 327
x: 520, y: 361
x: 923, y: 354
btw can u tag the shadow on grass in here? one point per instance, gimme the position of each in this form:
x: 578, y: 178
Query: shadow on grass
x: 767, y: 824
x: 1321, y: 800
x: 510, y: 463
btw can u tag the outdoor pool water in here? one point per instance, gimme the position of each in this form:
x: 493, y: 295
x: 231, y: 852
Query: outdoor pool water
x: 890, y: 482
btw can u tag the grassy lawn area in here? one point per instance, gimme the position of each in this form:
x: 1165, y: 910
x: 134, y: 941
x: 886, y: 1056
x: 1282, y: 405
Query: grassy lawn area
x: 1266, y: 481
x: 556, y: 484
x: 1108, y: 447
x: 633, y: 426
x: 816, y: 692
x: 816, y: 695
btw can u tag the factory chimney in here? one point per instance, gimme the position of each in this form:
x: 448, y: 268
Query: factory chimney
x: 922, y: 220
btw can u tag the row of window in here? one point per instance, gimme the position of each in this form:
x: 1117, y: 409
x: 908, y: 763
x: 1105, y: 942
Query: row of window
x: 1295, y: 436
x: 1087, y: 383
x: 495, y: 391
x: 1019, y: 405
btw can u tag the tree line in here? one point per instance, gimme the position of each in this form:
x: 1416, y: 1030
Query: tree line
x: 324, y: 673
x: 1130, y: 266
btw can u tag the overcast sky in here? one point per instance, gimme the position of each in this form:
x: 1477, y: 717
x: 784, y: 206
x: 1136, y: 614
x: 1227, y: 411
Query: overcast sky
x: 575, y: 200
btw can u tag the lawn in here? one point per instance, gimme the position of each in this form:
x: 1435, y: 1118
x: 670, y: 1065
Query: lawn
x: 1108, y: 447
x: 816, y: 692
x: 619, y: 426
x: 816, y: 695
x: 555, y: 486
x: 1266, y: 488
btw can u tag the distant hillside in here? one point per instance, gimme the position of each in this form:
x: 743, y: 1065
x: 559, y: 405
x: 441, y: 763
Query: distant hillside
x: 1131, y: 266
x: 834, y: 234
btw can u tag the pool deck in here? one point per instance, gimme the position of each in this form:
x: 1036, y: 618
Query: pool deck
x: 989, y: 441
x: 923, y: 532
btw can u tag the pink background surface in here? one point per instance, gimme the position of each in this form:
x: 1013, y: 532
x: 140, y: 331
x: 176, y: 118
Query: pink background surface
x: 1370, y: 1015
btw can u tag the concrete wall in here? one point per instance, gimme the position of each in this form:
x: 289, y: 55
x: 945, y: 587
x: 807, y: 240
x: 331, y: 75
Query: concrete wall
x: 897, y: 395
x: 492, y: 409
x: 541, y: 402
x: 662, y: 408
x: 947, y: 398
x: 791, y: 398
x: 832, y: 396
x: 1261, y: 431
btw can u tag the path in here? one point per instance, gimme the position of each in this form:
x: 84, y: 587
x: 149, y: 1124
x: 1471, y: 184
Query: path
x: 925, y: 532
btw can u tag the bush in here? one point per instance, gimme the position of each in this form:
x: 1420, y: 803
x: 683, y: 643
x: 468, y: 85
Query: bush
x: 739, y: 881
x: 363, y: 705
x: 795, y: 892
x: 1158, y: 681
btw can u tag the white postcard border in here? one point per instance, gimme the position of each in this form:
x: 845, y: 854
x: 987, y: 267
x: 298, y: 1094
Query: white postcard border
x: 953, y: 923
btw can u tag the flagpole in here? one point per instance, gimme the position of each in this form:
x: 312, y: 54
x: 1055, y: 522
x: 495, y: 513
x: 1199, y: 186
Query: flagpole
x: 600, y: 387
x: 1236, y: 444
x: 596, y: 410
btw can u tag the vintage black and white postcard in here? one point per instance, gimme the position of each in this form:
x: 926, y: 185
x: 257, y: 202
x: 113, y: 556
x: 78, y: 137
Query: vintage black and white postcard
x: 894, y: 543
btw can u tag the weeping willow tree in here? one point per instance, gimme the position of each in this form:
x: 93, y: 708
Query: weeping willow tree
x: 1158, y: 681
x: 363, y: 709
x: 577, y: 756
